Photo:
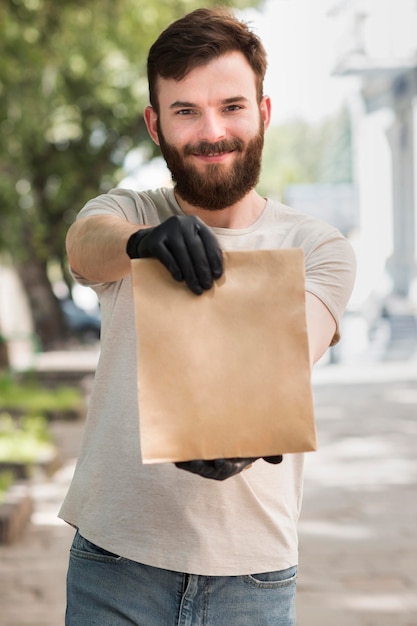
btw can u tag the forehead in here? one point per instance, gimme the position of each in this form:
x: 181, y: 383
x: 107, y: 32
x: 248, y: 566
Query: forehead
x: 224, y: 77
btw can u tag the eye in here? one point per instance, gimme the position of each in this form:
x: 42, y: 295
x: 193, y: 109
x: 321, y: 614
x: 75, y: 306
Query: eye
x: 233, y: 107
x: 184, y: 112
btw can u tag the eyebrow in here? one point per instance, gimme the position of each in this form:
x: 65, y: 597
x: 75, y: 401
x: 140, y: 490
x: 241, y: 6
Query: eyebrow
x: 183, y: 104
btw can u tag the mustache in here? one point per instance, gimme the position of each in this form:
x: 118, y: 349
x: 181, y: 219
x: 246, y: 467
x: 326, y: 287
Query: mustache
x: 204, y: 148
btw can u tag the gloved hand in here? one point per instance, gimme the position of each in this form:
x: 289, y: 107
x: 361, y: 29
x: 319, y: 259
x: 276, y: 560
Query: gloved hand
x: 187, y: 248
x: 220, y: 469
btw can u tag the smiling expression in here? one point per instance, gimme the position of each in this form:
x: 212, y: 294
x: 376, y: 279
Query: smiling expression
x: 210, y: 129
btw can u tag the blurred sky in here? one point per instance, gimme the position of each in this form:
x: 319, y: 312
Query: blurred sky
x: 300, y: 39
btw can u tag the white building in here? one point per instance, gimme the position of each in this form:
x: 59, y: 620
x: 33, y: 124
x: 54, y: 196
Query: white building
x: 378, y: 43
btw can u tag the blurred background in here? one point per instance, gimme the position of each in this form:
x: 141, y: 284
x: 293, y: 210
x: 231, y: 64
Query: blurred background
x: 342, y: 77
x: 342, y: 146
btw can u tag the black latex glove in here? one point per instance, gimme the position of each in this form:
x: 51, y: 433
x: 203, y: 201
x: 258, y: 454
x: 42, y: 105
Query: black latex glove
x: 273, y: 459
x: 187, y: 248
x: 220, y: 469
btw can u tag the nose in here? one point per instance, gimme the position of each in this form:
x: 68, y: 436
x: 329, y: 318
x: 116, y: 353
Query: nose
x: 212, y: 127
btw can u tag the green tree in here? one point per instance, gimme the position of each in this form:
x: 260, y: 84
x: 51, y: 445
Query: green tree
x: 72, y: 89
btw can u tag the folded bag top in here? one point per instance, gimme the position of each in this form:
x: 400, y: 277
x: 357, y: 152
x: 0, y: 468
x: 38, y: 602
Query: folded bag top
x: 225, y: 374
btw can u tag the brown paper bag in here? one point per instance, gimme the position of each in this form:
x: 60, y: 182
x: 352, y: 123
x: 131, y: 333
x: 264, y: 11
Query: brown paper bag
x: 224, y: 374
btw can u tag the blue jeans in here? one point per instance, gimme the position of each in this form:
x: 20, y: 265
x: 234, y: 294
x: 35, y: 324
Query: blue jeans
x: 104, y: 589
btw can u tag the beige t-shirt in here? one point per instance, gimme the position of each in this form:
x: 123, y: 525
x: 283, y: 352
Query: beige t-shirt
x: 160, y: 515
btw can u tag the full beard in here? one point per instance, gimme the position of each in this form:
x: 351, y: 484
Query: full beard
x: 219, y: 186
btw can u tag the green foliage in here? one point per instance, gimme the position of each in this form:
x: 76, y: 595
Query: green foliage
x: 25, y: 407
x: 72, y: 89
x: 24, y: 441
x: 300, y: 152
x: 31, y: 398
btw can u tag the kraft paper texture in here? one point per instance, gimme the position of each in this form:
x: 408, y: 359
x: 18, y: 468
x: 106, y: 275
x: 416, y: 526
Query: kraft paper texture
x: 224, y: 374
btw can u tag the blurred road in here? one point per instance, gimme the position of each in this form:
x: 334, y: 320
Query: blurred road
x: 358, y: 530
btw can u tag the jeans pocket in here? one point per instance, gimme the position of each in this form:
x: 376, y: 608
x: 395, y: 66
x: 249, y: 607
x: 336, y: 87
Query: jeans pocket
x: 273, y: 580
x: 84, y: 549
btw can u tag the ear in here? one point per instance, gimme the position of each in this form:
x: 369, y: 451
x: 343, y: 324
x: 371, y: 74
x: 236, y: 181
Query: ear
x: 265, y: 108
x: 150, y: 117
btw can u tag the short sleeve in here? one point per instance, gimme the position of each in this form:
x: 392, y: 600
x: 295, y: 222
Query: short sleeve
x: 330, y: 274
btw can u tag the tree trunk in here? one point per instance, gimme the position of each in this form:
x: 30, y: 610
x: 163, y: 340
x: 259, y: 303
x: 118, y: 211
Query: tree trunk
x: 4, y: 354
x: 46, y: 313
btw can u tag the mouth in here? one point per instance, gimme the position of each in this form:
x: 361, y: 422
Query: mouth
x: 214, y: 151
x: 213, y: 157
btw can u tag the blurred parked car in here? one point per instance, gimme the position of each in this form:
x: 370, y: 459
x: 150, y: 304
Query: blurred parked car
x: 85, y: 325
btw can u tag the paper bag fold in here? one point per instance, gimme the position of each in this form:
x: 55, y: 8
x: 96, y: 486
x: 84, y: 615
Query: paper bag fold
x: 225, y: 374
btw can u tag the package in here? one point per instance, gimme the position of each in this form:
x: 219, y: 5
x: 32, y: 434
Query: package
x: 225, y: 374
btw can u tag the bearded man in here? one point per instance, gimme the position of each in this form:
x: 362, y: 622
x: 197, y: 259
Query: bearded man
x: 200, y: 542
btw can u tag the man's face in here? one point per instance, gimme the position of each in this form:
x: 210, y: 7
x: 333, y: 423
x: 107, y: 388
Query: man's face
x: 210, y: 129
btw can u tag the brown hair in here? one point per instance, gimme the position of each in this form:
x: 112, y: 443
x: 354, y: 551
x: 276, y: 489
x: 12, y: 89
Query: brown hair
x: 198, y: 38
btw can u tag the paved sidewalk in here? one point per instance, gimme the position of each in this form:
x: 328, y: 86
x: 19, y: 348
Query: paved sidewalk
x: 358, y: 531
x: 33, y: 570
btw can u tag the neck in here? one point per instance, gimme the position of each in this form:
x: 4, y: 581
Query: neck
x: 240, y: 215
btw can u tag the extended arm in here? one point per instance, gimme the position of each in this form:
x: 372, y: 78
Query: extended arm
x: 100, y: 248
x: 96, y: 247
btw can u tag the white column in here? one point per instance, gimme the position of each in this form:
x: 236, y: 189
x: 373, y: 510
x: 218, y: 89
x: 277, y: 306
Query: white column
x: 373, y: 163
